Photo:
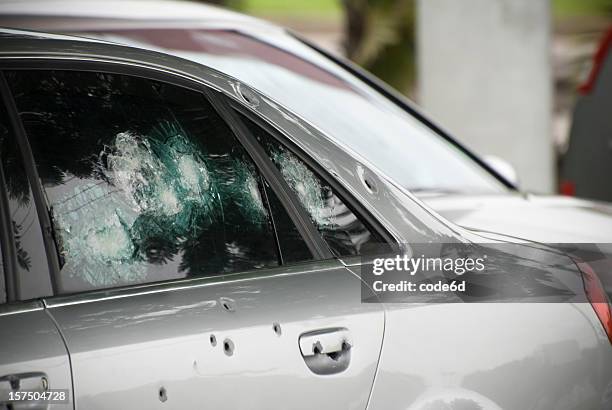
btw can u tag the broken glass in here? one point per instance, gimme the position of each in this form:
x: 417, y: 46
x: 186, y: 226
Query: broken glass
x: 143, y: 180
x: 341, y: 228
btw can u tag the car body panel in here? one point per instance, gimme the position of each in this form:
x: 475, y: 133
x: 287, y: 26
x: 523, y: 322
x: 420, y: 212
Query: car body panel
x: 581, y: 226
x: 125, y: 349
x: 31, y: 343
x: 540, y: 356
x: 545, y: 219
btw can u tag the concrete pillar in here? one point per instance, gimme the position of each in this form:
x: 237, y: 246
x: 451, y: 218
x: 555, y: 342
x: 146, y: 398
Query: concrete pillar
x: 484, y: 73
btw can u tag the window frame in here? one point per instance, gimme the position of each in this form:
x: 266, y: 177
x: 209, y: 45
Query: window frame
x: 11, y: 276
x: 323, y: 257
x: 7, y: 243
x: 353, y: 204
x: 313, y: 240
x: 279, y: 186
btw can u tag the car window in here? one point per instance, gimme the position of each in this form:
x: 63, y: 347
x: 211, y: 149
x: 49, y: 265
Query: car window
x: 144, y: 181
x: 32, y: 271
x: 344, y: 232
x: 337, y: 102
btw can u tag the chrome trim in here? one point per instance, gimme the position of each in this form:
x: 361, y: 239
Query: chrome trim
x: 21, y: 307
x: 190, y: 283
x: 364, y: 260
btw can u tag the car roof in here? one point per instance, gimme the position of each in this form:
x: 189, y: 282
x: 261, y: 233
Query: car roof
x: 132, y: 9
x: 124, y: 13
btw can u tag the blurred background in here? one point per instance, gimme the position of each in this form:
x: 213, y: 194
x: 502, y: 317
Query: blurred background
x: 501, y: 75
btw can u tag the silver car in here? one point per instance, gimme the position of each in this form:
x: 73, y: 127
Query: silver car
x: 175, y: 237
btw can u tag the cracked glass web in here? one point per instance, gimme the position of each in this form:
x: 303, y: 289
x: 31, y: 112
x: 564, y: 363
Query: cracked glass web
x: 158, y: 187
x: 339, y: 225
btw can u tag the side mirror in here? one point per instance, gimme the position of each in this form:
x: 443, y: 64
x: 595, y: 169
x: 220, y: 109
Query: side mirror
x: 503, y: 168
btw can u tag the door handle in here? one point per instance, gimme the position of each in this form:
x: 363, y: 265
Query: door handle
x: 15, y: 380
x: 326, y: 351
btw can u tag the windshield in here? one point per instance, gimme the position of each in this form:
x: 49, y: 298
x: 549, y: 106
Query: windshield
x: 332, y: 99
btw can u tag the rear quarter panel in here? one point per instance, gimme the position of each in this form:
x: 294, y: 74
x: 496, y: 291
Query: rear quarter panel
x: 493, y: 356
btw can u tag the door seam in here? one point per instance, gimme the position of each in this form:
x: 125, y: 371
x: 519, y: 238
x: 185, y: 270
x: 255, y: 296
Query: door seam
x: 67, y: 352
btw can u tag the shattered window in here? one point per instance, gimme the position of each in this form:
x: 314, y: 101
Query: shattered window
x: 32, y: 271
x: 343, y: 231
x: 143, y: 180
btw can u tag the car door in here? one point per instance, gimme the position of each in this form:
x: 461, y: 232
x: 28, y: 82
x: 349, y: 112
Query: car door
x: 33, y: 356
x: 183, y: 281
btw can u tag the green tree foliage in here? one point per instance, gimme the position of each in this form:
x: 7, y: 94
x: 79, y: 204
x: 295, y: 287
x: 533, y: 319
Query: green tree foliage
x: 379, y: 35
x: 573, y: 8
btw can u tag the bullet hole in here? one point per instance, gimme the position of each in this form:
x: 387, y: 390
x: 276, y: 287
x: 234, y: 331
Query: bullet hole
x: 366, y: 178
x: 163, y: 396
x: 228, y: 347
x: 248, y: 96
x: 317, y: 348
x: 277, y: 329
x: 369, y: 185
x: 227, y: 304
x: 213, y: 340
